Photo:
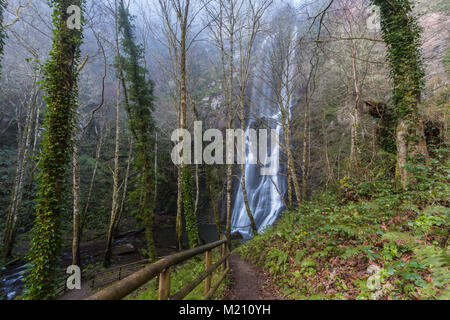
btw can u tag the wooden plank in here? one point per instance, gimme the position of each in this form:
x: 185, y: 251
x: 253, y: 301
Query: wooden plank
x: 164, y: 284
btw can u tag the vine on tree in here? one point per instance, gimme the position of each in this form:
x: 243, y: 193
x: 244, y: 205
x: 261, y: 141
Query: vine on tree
x: 402, y: 35
x: 61, y: 88
x: 139, y: 109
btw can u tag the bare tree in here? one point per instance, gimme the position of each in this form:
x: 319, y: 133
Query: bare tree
x: 234, y: 26
x: 178, y: 19
x: 26, y: 111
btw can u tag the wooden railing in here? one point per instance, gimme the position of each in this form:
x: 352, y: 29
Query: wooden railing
x: 163, y: 268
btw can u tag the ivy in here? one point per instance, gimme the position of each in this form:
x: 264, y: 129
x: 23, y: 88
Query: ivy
x: 402, y: 35
x: 139, y: 107
x: 61, y: 88
x: 189, y: 210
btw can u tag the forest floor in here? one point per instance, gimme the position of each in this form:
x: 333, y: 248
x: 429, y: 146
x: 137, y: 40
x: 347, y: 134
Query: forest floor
x: 390, y: 247
x: 248, y: 282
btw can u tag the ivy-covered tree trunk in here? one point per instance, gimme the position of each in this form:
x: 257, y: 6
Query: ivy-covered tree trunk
x: 60, y: 85
x: 189, y: 210
x: 139, y: 106
x: 179, y: 218
x: 402, y: 34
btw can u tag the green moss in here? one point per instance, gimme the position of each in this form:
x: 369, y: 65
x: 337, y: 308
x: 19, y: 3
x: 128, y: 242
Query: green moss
x: 61, y: 88
x: 189, y: 210
x: 139, y: 101
x: 402, y: 34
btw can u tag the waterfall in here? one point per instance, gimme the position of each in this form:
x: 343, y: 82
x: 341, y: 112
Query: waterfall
x: 266, y: 193
x: 264, y: 199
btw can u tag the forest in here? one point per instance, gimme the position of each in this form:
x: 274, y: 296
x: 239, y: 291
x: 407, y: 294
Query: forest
x: 306, y: 140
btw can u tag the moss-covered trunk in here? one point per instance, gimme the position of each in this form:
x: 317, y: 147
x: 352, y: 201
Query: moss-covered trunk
x: 60, y: 84
x: 402, y: 34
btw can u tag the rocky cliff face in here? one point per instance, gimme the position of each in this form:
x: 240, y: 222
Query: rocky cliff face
x: 436, y: 43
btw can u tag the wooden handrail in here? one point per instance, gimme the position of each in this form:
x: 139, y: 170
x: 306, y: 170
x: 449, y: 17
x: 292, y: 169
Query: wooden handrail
x: 125, y: 286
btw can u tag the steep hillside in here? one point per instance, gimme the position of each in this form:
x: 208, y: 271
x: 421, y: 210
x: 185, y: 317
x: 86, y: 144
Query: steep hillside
x: 364, y: 241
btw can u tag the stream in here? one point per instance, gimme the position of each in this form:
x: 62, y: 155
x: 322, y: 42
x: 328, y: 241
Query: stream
x: 12, y: 279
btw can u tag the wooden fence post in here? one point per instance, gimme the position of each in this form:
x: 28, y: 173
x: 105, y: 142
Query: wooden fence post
x: 164, y: 284
x: 208, y: 255
x: 223, y: 253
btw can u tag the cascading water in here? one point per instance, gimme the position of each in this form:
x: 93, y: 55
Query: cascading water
x: 264, y: 192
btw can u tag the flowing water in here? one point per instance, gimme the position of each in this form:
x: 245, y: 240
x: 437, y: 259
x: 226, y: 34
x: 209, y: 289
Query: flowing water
x: 12, y: 284
x: 264, y: 192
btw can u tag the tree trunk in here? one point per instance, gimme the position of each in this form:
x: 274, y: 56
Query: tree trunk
x: 229, y: 189
x: 188, y: 196
x: 291, y: 168
x: 408, y: 147
x: 125, y: 188
x: 91, y: 184
x: 403, y: 36
x: 179, y: 219
x: 76, y: 205
x: 244, y: 189
x: 60, y: 84
x: 115, y: 194
x: 22, y: 160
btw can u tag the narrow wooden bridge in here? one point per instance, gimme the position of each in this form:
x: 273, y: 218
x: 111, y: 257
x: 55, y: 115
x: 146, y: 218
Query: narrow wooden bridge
x: 164, y: 267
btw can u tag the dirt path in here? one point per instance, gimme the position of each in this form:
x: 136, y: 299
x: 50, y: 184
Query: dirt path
x: 248, y: 282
